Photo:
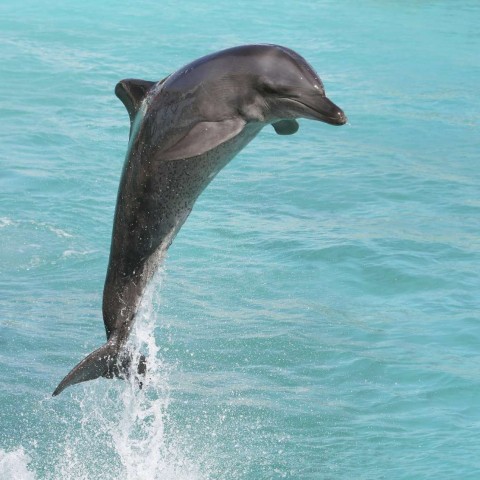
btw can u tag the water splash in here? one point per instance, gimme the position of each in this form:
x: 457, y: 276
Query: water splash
x: 141, y: 441
x: 124, y: 429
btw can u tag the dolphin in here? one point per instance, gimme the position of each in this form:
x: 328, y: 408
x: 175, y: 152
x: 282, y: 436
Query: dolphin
x: 183, y: 130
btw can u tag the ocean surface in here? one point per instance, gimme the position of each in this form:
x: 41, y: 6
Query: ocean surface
x: 318, y: 315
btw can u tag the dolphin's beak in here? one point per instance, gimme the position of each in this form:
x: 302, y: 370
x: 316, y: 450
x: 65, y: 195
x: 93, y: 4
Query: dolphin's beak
x: 329, y: 112
x: 319, y: 107
x: 325, y: 110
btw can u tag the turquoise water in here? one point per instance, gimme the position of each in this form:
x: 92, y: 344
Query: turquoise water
x: 318, y: 314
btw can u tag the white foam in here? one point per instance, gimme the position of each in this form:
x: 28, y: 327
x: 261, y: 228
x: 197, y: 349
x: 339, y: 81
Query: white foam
x: 59, y: 232
x: 5, y: 222
x: 14, y: 465
x: 77, y: 253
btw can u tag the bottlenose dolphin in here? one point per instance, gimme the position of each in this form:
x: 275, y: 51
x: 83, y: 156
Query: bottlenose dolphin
x: 183, y: 131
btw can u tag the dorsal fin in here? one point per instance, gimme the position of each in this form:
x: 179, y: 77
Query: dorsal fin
x: 131, y: 92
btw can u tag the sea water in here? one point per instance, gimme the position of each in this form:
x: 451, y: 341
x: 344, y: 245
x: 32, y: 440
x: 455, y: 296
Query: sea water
x: 318, y: 314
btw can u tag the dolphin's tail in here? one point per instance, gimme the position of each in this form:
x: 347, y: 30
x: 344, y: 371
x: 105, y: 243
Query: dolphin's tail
x: 106, y: 362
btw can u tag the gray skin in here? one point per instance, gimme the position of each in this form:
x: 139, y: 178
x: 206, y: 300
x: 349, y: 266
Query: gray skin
x: 183, y: 131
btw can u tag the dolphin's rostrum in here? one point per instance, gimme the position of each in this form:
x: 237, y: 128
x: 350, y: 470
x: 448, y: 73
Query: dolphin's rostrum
x: 183, y: 131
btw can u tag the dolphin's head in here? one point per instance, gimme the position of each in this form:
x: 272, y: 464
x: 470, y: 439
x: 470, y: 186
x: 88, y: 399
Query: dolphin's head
x: 261, y: 83
x: 290, y: 88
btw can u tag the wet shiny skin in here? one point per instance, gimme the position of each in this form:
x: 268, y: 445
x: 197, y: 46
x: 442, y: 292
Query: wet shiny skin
x: 185, y: 129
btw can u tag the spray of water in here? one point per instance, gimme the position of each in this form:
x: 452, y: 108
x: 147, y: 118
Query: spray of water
x: 145, y: 450
x: 123, y: 429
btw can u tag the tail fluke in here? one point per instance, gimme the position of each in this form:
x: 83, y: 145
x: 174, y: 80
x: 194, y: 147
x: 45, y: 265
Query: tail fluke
x: 100, y: 363
x: 107, y: 361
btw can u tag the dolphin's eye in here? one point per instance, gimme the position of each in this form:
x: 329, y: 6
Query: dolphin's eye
x: 268, y: 89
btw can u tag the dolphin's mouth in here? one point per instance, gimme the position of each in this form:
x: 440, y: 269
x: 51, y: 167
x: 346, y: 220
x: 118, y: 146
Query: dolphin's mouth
x: 324, y: 110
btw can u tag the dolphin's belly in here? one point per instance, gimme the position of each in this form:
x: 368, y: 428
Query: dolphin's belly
x: 154, y: 200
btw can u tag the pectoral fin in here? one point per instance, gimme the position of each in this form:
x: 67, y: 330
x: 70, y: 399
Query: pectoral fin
x: 202, y: 137
x: 286, y: 127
